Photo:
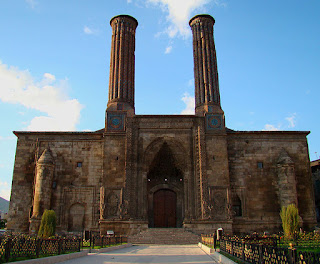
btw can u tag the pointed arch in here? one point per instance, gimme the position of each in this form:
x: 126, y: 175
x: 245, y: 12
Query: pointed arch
x: 179, y: 153
x: 237, y: 205
x: 76, y: 217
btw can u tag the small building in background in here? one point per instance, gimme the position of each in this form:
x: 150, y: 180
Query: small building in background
x: 315, y: 169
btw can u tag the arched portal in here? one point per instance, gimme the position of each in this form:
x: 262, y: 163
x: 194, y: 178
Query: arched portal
x: 165, y: 187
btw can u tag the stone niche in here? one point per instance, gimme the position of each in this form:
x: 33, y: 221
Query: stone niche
x: 78, y: 210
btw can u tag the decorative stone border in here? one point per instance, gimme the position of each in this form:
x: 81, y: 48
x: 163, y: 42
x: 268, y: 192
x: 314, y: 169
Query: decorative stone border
x: 64, y: 257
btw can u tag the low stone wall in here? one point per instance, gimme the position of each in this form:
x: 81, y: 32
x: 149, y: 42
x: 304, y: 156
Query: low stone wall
x: 55, y: 259
x: 215, y: 255
x: 206, y: 249
x: 108, y: 249
x: 221, y: 259
x: 126, y: 228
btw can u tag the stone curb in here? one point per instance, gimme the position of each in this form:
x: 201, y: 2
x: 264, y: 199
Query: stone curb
x: 206, y: 248
x: 108, y: 249
x: 215, y: 255
x: 219, y: 258
x: 55, y: 259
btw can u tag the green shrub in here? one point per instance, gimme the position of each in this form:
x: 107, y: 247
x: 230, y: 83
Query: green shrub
x: 3, y: 223
x: 48, y: 224
x: 290, y: 220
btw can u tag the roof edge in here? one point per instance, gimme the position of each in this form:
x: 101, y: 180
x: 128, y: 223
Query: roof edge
x: 268, y: 132
x: 98, y: 132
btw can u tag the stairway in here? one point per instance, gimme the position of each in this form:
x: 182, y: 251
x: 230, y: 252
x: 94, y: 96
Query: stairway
x: 164, y: 236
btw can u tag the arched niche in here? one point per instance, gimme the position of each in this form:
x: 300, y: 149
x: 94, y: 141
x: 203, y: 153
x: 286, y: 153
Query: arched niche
x: 76, y: 217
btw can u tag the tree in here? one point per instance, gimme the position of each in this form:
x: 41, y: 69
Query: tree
x: 48, y: 224
x: 290, y: 220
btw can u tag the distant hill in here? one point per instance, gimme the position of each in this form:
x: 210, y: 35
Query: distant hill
x: 4, y: 205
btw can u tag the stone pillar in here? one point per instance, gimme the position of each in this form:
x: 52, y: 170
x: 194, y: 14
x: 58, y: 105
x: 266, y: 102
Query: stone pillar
x: 122, y: 60
x: 286, y: 180
x: 43, y: 186
x: 102, y: 202
x: 207, y: 93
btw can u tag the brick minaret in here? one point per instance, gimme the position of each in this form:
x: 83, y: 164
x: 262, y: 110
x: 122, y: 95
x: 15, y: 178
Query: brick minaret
x: 122, y: 60
x: 207, y: 93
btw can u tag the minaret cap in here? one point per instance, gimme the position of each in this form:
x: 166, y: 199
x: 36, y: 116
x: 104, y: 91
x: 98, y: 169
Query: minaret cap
x: 127, y: 16
x: 284, y: 158
x: 201, y: 16
x: 46, y: 157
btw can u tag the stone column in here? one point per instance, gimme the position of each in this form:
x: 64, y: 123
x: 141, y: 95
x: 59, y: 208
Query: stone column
x: 43, y: 186
x: 286, y: 180
x: 102, y: 202
x: 122, y: 60
x: 207, y: 93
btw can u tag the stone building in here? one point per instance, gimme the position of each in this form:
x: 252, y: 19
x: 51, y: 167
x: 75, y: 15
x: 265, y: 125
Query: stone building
x: 144, y: 171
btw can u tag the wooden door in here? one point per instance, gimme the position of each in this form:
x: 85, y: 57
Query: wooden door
x: 164, y: 208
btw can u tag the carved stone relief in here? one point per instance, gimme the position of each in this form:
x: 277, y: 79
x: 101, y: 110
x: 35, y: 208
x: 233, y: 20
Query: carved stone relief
x: 218, y: 205
x: 112, y: 204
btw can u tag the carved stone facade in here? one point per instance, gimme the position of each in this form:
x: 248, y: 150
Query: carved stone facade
x: 144, y: 171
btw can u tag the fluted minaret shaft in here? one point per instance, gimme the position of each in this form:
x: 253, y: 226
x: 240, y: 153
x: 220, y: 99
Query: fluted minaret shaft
x: 205, y: 62
x: 122, y: 60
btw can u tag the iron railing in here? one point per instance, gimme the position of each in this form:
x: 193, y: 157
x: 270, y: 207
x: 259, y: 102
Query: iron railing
x: 17, y: 247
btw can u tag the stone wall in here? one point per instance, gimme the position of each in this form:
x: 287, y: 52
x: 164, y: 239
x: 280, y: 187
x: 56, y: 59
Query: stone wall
x: 235, y: 180
x: 22, y: 184
x: 254, y: 176
x: 76, y: 180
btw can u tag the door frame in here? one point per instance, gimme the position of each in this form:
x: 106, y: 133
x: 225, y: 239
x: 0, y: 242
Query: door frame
x: 165, y: 208
x: 179, y: 203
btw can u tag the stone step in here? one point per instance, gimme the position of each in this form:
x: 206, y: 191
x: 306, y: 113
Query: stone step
x: 166, y: 236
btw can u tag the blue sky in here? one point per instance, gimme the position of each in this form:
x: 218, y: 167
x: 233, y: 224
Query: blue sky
x: 54, y: 64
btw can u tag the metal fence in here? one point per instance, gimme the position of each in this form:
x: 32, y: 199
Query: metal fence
x: 15, y: 247
x: 93, y: 240
x: 18, y: 246
x: 265, y: 254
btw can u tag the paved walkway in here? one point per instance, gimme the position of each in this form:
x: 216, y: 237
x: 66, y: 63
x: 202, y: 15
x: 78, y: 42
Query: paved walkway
x: 147, y: 254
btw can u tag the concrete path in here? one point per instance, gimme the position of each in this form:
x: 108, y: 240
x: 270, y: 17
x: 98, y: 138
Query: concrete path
x: 148, y: 254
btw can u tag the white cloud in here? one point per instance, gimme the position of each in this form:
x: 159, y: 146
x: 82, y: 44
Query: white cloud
x: 179, y: 13
x: 90, y: 31
x: 269, y: 127
x: 5, y: 190
x: 31, y: 3
x: 168, y: 50
x: 87, y: 30
x: 190, y: 104
x: 292, y: 120
x: 129, y: 1
x: 191, y: 82
x: 19, y: 87
x: 49, y: 77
